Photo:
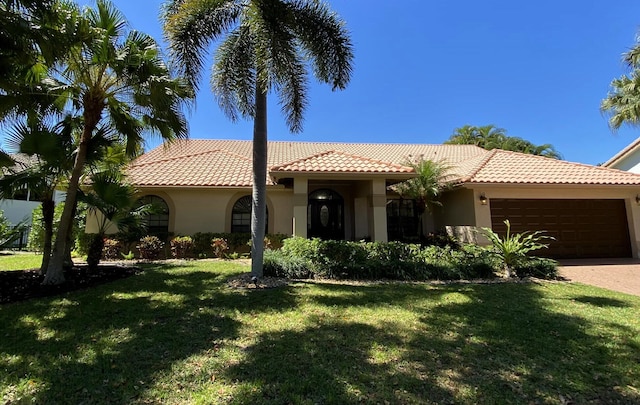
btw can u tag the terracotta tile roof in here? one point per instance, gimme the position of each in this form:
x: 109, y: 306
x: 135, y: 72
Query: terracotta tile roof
x: 333, y: 161
x: 202, y: 163
x: 214, y: 167
x: 199, y: 162
x: 623, y: 153
x: 507, y: 167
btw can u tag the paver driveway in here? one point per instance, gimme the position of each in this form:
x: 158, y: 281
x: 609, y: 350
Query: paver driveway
x: 614, y: 274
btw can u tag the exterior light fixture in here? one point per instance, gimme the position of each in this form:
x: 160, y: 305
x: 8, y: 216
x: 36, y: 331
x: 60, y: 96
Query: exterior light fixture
x: 483, y: 199
x: 638, y: 199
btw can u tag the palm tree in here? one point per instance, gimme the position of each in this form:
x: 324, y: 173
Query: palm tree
x: 623, y: 101
x: 48, y: 149
x: 265, y: 45
x: 115, y: 80
x: 485, y: 137
x: 36, y: 34
x: 490, y: 137
x: 114, y: 204
x: 425, y: 189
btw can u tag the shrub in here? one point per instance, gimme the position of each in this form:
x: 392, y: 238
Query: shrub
x: 538, y: 267
x: 111, y: 249
x: 219, y: 247
x: 440, y: 239
x: 512, y: 250
x: 150, y: 247
x: 181, y: 247
x: 278, y: 264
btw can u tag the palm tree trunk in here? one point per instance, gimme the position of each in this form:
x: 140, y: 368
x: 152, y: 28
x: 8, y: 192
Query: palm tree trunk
x: 48, y: 209
x: 258, y: 201
x: 55, y: 270
x: 68, y: 261
x: 95, y: 251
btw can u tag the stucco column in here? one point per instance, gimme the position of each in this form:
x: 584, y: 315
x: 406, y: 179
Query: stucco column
x: 379, y: 210
x: 300, y: 201
x: 483, y: 217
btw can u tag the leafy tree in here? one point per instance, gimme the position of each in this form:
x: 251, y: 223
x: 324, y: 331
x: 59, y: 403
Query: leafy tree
x: 432, y: 179
x: 622, y: 104
x: 116, y: 81
x: 264, y: 46
x: 490, y: 137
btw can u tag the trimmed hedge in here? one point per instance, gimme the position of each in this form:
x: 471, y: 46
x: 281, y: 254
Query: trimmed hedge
x: 315, y: 258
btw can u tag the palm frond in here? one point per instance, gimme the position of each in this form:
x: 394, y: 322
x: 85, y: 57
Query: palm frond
x: 325, y: 40
x: 233, y: 76
x: 191, y: 25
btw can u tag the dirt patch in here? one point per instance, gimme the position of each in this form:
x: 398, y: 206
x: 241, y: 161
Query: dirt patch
x: 18, y: 285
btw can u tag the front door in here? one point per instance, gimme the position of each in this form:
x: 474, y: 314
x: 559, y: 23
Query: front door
x: 325, y: 215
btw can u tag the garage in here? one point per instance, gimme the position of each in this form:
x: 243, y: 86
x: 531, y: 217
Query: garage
x: 582, y: 228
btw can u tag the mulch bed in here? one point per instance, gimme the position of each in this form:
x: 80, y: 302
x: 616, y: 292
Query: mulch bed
x: 20, y: 285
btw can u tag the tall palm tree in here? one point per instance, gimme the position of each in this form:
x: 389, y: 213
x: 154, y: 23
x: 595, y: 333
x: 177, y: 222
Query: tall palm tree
x: 622, y: 104
x: 264, y: 46
x: 433, y: 178
x: 116, y: 80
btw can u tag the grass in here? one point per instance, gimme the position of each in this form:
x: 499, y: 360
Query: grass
x: 177, y: 334
x: 19, y: 260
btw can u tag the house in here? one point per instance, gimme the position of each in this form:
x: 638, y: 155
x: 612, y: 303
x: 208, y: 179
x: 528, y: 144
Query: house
x: 341, y: 191
x: 628, y: 159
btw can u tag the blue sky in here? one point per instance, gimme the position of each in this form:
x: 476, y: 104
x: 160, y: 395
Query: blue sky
x: 423, y: 68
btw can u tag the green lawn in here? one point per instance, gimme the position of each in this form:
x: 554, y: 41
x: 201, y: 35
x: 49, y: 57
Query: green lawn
x: 19, y: 260
x: 177, y: 334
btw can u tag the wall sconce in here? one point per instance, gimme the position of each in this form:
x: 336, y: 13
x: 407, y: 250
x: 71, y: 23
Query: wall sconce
x: 483, y: 199
x: 638, y: 199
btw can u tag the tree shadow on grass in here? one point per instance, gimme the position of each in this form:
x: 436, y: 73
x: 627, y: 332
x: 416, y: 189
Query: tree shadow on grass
x: 601, y: 301
x: 112, y: 343
x: 500, y: 343
x: 505, y: 345
x: 329, y: 363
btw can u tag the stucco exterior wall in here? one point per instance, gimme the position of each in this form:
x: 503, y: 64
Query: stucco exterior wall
x: 209, y: 210
x: 457, y: 215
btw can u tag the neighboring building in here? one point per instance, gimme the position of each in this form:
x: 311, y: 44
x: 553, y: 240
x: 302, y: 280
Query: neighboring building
x: 341, y: 191
x: 628, y: 159
x: 21, y: 206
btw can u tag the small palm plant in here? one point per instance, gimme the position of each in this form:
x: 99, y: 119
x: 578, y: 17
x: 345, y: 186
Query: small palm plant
x: 513, y: 248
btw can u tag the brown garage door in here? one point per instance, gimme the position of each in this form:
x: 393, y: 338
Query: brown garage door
x: 581, y: 228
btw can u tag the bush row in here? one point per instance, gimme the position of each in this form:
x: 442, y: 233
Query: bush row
x: 201, y: 245
x: 315, y: 258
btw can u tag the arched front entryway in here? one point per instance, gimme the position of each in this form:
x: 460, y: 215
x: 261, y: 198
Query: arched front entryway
x: 325, y: 215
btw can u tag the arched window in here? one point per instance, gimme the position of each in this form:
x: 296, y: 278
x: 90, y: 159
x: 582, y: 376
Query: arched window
x: 157, y: 222
x: 241, y: 216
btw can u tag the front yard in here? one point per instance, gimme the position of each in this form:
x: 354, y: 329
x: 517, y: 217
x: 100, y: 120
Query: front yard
x: 178, y: 334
